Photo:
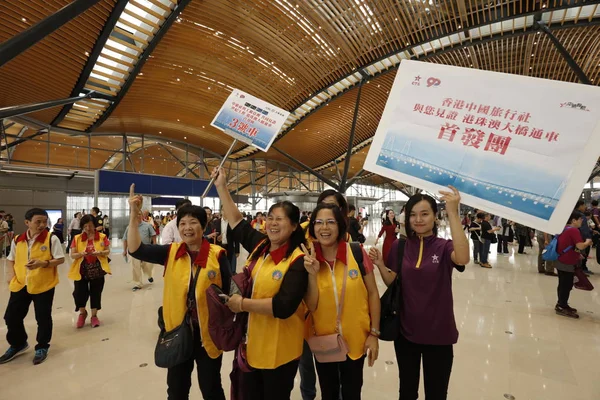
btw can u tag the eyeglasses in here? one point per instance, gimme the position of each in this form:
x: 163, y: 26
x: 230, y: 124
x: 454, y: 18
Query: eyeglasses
x: 321, y: 222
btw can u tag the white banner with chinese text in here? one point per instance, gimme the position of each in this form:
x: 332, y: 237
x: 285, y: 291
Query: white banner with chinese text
x: 515, y: 146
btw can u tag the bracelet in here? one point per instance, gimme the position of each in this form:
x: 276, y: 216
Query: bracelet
x: 242, y: 305
x: 375, y: 332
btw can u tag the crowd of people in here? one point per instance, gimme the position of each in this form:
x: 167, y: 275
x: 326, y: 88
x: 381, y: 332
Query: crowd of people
x: 311, y: 281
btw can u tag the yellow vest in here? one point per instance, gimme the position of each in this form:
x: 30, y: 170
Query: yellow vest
x: 273, y: 342
x: 177, y: 284
x: 75, y: 271
x: 39, y: 280
x: 356, y: 320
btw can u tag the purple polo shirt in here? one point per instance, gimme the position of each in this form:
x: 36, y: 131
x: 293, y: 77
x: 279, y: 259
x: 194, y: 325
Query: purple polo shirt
x: 428, y: 307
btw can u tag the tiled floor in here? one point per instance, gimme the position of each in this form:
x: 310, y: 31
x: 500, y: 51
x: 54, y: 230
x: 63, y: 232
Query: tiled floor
x: 511, y: 342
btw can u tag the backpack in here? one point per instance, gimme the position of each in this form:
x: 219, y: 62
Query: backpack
x: 391, y: 302
x: 551, y: 253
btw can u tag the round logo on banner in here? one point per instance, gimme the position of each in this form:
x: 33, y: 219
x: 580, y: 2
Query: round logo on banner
x: 277, y: 275
x: 212, y: 275
x: 353, y: 274
x: 44, y: 248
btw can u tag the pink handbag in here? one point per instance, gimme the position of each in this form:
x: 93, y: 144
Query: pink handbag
x: 333, y: 347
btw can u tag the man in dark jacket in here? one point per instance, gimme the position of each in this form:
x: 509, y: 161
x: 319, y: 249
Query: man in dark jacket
x: 586, y: 233
x: 354, y: 227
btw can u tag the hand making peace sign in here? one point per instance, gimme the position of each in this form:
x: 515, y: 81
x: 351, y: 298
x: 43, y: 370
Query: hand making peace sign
x: 311, y: 264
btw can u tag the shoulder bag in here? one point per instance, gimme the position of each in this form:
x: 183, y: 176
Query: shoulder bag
x: 333, y: 347
x: 176, y: 346
x: 391, y: 302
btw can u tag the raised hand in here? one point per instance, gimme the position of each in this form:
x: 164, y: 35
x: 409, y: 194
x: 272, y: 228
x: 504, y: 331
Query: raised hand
x: 311, y: 264
x: 220, y: 177
x: 452, y: 199
x: 135, y: 201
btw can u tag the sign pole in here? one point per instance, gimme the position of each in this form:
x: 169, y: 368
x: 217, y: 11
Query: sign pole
x: 212, y: 180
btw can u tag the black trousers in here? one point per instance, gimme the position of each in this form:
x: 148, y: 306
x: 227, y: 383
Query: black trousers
x: 502, y: 244
x: 84, y: 290
x: 565, y: 285
x: 437, y: 367
x: 348, y: 373
x: 16, y: 311
x: 179, y: 378
x: 522, y: 243
x: 584, y: 261
x: 272, y: 384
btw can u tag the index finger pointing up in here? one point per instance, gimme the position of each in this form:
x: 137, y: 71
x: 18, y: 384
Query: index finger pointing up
x: 132, y: 190
x: 303, y: 247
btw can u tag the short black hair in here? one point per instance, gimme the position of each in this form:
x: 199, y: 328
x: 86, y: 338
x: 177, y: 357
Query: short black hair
x: 207, y: 208
x: 339, y: 197
x: 96, y: 210
x: 587, y: 214
x: 195, y: 212
x: 594, y: 202
x: 579, y: 203
x: 575, y: 215
x: 181, y: 203
x: 86, y: 219
x: 351, y: 208
x: 33, y: 212
x: 481, y: 215
x: 339, y: 218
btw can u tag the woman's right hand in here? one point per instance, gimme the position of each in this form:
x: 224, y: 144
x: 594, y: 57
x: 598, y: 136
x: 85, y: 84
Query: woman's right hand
x: 135, y: 201
x: 220, y: 178
x: 376, y: 256
x: 311, y: 264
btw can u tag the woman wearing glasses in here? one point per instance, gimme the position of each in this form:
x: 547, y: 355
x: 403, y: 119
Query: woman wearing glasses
x: 341, y: 288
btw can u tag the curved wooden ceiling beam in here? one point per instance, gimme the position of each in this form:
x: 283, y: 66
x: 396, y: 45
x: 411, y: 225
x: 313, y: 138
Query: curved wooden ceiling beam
x: 480, y: 20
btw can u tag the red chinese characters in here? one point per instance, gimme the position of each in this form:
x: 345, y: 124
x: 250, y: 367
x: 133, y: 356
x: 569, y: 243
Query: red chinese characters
x: 497, y: 144
x: 473, y: 137
x: 448, y: 132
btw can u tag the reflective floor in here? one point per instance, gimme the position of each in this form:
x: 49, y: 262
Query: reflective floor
x: 511, y: 342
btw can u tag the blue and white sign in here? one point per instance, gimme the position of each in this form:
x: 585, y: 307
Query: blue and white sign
x: 515, y: 146
x: 250, y: 119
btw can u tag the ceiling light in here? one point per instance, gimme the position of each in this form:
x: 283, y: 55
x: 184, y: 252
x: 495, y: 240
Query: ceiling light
x: 177, y: 119
x: 185, y: 137
x: 141, y: 74
x: 160, y: 132
x: 202, y: 126
x: 87, y: 54
x: 24, y: 19
x: 178, y: 80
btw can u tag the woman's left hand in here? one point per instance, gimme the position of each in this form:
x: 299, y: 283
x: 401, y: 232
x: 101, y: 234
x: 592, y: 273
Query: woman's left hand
x: 235, y: 303
x: 452, y: 199
x: 372, y: 349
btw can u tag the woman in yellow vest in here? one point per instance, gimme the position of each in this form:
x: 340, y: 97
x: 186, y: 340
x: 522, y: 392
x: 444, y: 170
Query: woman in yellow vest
x: 89, y: 251
x: 308, y: 377
x: 331, y: 264
x: 183, y: 261
x: 276, y: 316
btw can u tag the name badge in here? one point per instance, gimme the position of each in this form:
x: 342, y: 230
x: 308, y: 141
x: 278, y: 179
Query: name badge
x: 353, y: 274
x: 212, y: 275
x: 44, y: 248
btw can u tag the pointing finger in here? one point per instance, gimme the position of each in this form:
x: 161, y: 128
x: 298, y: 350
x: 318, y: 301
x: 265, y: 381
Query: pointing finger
x: 312, y: 248
x: 303, y: 247
x: 132, y: 190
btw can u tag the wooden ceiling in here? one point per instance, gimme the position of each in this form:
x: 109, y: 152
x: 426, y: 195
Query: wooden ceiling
x: 284, y: 52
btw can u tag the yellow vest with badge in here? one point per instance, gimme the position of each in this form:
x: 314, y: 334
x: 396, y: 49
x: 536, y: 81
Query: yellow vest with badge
x: 81, y: 245
x: 273, y: 342
x: 177, y: 276
x: 38, y: 280
x: 355, y: 319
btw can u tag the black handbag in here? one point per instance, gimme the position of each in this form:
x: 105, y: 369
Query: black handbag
x: 176, y: 346
x: 391, y: 302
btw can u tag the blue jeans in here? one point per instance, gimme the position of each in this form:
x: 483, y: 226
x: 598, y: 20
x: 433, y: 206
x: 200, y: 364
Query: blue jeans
x: 476, y: 249
x: 484, y: 249
x: 308, y: 376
